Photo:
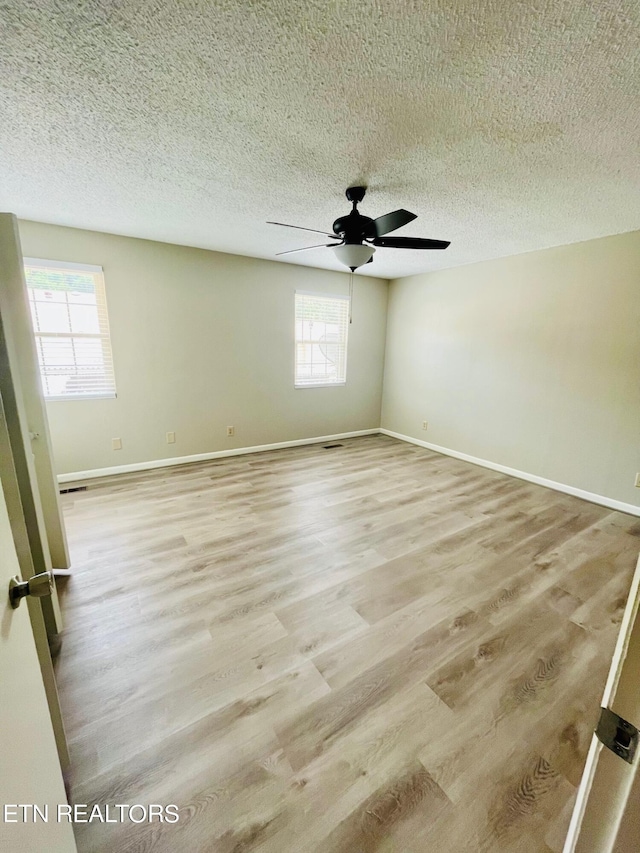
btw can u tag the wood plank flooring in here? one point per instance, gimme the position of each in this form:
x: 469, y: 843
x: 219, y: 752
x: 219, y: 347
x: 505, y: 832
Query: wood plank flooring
x: 367, y: 648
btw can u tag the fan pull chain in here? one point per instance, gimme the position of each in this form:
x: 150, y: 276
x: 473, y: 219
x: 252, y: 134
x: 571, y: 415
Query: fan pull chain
x: 350, y: 294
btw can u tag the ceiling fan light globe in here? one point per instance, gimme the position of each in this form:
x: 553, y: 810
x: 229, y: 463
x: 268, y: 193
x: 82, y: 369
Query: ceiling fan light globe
x: 353, y: 255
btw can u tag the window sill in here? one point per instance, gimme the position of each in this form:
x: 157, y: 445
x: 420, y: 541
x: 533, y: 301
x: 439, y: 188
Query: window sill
x: 76, y: 397
x: 321, y: 385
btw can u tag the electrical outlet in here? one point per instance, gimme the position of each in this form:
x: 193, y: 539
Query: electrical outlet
x: 171, y: 438
x: 116, y: 444
x: 231, y: 430
x: 424, y: 424
x: 637, y: 483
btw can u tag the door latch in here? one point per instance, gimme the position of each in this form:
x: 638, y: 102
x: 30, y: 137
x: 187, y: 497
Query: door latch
x: 38, y: 586
x: 616, y: 733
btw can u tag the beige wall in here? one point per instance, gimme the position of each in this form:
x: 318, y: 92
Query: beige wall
x: 202, y: 340
x: 532, y: 362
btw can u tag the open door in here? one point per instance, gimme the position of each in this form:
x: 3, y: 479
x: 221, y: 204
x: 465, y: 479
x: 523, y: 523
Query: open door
x: 33, y: 750
x: 26, y: 417
x: 606, y: 818
x: 30, y: 772
x: 28, y: 485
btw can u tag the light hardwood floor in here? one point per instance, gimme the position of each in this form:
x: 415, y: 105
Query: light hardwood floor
x: 368, y: 648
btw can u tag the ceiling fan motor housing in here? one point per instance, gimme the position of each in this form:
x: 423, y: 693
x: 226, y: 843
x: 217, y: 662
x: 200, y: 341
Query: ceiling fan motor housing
x: 354, y: 228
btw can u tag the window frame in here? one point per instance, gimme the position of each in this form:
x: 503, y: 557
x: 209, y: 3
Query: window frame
x: 104, y: 335
x: 300, y: 385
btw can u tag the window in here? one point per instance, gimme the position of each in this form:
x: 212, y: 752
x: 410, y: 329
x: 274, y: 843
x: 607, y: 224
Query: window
x: 321, y: 339
x: 69, y: 315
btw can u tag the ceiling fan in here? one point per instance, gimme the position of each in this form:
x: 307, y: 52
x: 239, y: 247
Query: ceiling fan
x: 358, y: 235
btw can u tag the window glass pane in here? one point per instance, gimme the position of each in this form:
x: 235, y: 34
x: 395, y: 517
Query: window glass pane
x: 82, y: 298
x: 59, y: 280
x: 52, y: 317
x: 38, y: 294
x: 84, y: 319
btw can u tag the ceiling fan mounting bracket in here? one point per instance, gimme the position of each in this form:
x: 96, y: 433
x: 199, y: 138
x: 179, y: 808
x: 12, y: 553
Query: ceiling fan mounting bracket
x: 355, y: 194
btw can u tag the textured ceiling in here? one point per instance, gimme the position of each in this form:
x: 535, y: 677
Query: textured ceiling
x: 506, y: 126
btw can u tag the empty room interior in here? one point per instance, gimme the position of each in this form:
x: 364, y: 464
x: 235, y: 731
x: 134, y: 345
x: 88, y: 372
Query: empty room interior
x: 320, y: 354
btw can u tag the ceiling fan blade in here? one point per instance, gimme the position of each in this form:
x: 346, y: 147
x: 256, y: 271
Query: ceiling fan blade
x: 410, y: 243
x: 304, y: 248
x: 392, y: 221
x: 300, y: 228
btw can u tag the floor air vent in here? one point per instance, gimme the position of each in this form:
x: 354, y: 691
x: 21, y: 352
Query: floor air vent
x: 331, y: 446
x: 73, y: 489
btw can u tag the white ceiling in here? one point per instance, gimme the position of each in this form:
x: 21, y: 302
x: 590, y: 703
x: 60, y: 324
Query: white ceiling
x: 507, y: 126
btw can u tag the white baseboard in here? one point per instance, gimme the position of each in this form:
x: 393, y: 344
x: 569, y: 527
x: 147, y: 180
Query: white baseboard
x: 610, y: 503
x: 72, y: 477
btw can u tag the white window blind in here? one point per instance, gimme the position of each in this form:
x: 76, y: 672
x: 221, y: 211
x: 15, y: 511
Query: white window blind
x: 69, y: 315
x: 321, y: 339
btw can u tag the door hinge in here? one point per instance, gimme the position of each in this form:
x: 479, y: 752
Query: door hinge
x: 616, y: 733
